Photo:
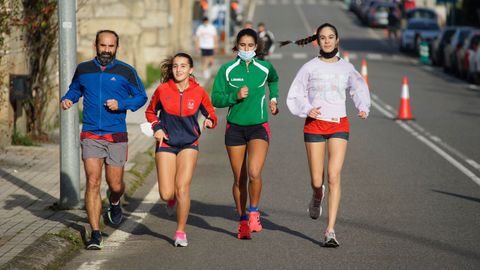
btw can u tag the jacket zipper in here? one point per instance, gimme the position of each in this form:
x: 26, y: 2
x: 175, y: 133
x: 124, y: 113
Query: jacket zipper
x: 181, y: 97
x: 100, y: 97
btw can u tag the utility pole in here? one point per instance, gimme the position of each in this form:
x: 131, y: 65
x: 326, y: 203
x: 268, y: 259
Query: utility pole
x: 69, y: 139
x: 227, y: 26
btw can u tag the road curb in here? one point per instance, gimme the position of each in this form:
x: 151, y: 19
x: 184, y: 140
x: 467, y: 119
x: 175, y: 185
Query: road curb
x: 47, y: 252
x: 52, y: 251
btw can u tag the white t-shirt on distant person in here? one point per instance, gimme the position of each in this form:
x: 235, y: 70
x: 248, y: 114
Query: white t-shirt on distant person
x: 206, y: 36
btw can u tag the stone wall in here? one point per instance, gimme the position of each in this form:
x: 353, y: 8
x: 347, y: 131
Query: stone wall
x: 149, y: 30
x: 13, y: 62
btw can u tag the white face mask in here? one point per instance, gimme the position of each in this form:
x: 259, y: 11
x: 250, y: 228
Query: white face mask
x: 246, y: 55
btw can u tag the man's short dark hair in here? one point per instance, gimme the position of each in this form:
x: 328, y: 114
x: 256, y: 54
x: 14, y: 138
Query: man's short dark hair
x: 106, y: 31
x: 205, y: 19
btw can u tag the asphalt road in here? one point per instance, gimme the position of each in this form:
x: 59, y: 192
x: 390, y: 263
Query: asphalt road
x: 410, y: 190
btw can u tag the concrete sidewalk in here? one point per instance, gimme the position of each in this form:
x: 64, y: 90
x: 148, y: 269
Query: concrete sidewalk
x: 30, y: 188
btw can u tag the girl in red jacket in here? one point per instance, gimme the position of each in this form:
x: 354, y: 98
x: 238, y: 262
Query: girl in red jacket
x: 173, y: 113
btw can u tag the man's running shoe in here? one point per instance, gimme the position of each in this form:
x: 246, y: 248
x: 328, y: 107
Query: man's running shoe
x: 181, y: 239
x: 171, y: 204
x: 96, y: 241
x: 315, y: 206
x: 254, y: 221
x: 243, y: 230
x: 331, y: 240
x: 114, y: 213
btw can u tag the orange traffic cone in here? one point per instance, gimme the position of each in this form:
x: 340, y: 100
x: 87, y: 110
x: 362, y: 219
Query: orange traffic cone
x: 404, y: 112
x: 364, y: 70
x: 346, y: 56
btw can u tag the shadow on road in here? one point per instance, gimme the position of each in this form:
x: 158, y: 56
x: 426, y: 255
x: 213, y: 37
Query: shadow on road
x: 458, y: 195
x: 199, y: 209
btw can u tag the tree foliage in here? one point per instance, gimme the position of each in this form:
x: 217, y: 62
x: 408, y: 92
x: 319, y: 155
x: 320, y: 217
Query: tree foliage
x: 39, y: 21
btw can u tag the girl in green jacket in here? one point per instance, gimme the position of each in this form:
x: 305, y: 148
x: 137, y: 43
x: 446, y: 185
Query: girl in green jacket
x: 240, y: 86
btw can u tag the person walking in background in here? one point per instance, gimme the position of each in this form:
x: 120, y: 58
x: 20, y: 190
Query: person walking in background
x: 318, y: 93
x: 393, y: 23
x: 206, y: 44
x: 240, y: 86
x: 266, y: 41
x: 109, y: 88
x: 248, y: 24
x: 173, y: 113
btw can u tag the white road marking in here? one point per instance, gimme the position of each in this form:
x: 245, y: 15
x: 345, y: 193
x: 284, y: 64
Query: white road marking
x: 441, y: 152
x: 119, y: 236
x: 430, y: 140
x: 473, y: 87
x: 275, y: 56
x: 299, y: 55
x: 308, y: 27
x: 374, y: 56
x: 92, y: 265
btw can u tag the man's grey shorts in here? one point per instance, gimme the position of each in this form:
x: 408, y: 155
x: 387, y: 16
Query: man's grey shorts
x: 115, y: 154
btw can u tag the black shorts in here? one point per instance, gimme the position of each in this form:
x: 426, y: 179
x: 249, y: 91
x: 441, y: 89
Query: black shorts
x: 240, y: 135
x: 174, y: 149
x: 323, y: 137
x: 207, y: 52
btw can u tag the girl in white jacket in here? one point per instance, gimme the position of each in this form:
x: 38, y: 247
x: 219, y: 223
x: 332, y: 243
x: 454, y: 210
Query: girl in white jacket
x: 318, y: 93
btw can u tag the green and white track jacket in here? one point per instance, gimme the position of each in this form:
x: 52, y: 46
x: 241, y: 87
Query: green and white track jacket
x: 234, y: 75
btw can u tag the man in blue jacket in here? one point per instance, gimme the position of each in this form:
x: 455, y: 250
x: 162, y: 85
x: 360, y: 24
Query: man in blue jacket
x: 109, y: 88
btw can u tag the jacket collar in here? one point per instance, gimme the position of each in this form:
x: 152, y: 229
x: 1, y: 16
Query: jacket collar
x: 192, y: 83
x: 109, y: 66
x: 242, y: 62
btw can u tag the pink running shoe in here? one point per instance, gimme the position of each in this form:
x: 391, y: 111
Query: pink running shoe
x: 254, y: 221
x: 180, y: 239
x: 243, y: 230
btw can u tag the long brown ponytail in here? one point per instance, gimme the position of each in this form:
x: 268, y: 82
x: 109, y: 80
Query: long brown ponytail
x: 312, y: 38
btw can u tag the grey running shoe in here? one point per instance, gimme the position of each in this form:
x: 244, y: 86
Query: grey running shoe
x: 315, y: 206
x: 115, y: 214
x: 181, y: 241
x: 96, y: 241
x: 331, y: 240
x: 171, y: 204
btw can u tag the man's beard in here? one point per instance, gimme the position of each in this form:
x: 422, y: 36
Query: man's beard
x: 105, y: 58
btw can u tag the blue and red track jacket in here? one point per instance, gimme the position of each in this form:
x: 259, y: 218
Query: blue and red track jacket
x: 118, y: 81
x: 179, y: 112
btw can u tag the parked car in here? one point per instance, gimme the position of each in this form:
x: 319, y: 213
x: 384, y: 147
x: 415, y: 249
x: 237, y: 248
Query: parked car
x: 450, y: 51
x: 416, y: 31
x: 466, y: 55
x: 421, y: 12
x: 364, y: 9
x: 438, y: 45
x: 377, y: 15
x: 476, y: 66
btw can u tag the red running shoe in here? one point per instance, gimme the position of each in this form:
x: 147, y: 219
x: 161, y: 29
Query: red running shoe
x: 254, y: 221
x: 243, y: 230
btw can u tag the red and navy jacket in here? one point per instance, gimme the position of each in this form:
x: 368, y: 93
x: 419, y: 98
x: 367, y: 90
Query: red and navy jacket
x: 176, y: 113
x: 98, y: 84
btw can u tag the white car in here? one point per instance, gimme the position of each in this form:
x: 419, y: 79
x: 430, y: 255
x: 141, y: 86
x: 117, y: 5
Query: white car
x: 416, y: 31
